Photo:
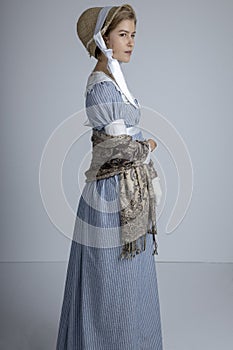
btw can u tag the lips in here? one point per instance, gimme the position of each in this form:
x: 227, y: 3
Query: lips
x: 129, y: 52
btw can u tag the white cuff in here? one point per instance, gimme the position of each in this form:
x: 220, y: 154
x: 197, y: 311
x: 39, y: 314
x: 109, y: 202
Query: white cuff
x: 117, y: 127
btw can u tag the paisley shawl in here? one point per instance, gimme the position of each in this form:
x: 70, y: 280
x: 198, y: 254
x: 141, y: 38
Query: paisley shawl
x: 121, y: 155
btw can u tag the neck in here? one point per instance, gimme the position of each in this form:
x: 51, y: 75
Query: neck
x: 102, y: 65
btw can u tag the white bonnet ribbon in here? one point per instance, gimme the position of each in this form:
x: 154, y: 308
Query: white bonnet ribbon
x: 113, y: 64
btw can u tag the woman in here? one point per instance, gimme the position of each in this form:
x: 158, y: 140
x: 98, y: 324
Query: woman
x: 111, y: 296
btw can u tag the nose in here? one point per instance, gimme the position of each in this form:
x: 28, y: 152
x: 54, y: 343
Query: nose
x: 131, y: 41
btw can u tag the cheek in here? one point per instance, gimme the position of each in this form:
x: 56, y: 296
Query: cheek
x: 117, y: 45
x: 111, y: 44
x: 114, y: 42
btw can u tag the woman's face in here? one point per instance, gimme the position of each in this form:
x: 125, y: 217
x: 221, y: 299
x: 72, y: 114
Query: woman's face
x: 121, y: 40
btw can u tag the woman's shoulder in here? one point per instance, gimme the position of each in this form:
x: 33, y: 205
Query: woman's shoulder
x: 101, y: 88
x: 99, y: 77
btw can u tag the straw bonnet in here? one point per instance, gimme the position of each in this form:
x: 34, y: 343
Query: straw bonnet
x: 87, y: 22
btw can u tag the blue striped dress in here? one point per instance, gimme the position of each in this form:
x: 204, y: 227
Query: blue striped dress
x: 108, y: 303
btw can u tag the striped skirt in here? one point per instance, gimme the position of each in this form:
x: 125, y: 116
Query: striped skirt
x: 108, y: 303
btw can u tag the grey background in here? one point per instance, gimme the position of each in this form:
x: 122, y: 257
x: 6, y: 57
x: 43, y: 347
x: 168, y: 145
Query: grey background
x: 182, y: 68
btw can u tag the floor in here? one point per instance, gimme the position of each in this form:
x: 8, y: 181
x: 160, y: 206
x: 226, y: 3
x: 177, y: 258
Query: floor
x: 196, y: 301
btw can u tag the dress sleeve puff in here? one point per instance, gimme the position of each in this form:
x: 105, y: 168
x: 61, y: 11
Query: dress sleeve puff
x: 104, y: 104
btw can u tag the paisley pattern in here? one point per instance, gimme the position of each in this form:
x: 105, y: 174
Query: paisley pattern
x: 121, y: 155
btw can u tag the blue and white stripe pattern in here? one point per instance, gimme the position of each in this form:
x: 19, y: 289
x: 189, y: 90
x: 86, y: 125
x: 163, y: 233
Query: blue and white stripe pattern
x: 105, y: 102
x: 108, y: 304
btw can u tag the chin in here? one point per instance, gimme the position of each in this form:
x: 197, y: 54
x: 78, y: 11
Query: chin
x: 124, y: 60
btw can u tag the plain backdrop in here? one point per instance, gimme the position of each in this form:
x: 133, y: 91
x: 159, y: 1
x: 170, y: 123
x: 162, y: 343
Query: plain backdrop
x: 181, y: 67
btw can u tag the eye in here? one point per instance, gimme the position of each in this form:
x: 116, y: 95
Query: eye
x: 123, y: 34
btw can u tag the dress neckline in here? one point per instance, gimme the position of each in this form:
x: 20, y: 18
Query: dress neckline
x: 101, y: 72
x: 114, y: 82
